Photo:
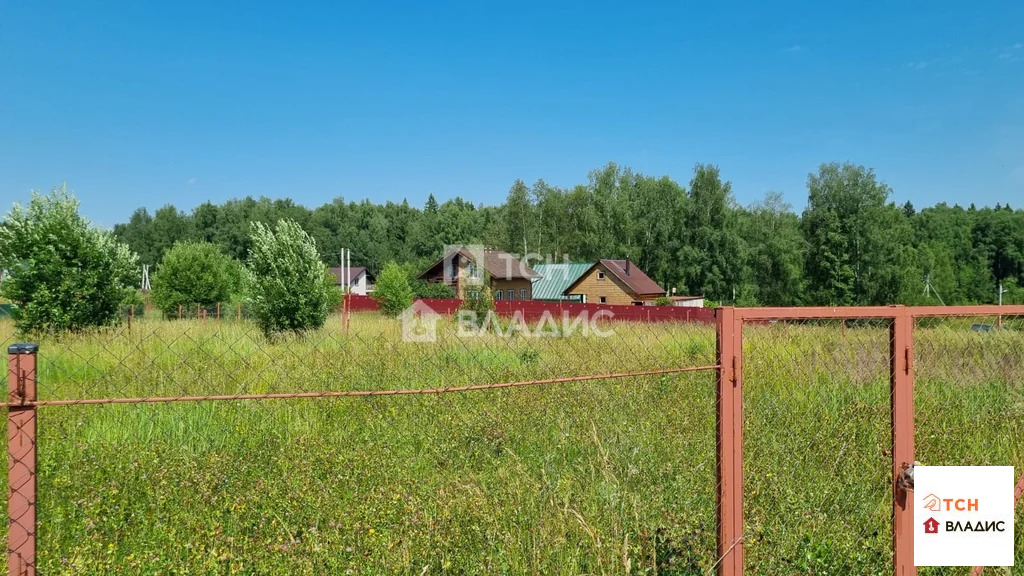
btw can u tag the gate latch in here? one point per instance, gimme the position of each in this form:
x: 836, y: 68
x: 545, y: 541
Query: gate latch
x: 906, y: 477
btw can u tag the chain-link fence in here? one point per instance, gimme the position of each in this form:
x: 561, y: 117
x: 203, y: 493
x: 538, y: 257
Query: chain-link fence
x: 834, y: 402
x: 169, y: 446
x: 773, y: 443
x: 218, y: 311
x: 817, y: 446
x: 969, y: 395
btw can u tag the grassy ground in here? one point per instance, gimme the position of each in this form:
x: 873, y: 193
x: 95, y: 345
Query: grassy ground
x: 602, y: 477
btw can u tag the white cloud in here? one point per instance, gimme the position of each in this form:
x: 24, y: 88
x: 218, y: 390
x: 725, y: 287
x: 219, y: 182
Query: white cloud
x: 1011, y: 53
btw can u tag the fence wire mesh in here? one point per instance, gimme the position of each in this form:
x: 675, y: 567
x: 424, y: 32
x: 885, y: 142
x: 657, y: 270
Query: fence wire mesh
x: 542, y: 451
x: 817, y: 447
x: 969, y: 395
x: 600, y: 458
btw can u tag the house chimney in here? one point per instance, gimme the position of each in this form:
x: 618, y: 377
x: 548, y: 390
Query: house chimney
x: 627, y: 267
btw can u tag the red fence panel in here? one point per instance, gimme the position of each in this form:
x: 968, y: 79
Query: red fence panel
x: 535, y: 309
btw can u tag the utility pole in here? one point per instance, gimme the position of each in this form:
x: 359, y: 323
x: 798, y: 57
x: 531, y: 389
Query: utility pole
x: 145, y: 287
x: 348, y: 287
x: 344, y: 278
x: 928, y: 288
x: 999, y: 320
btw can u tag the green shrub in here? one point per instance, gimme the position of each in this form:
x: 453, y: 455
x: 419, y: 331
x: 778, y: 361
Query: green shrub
x: 480, y: 302
x: 392, y: 292
x: 134, y: 304
x: 289, y: 287
x: 423, y: 289
x: 195, y: 273
x: 662, y: 301
x: 62, y: 272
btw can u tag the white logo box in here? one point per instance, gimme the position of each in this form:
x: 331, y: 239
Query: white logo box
x: 963, y: 515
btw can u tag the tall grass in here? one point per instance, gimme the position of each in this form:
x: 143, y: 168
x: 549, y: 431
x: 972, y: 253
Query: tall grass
x: 601, y: 477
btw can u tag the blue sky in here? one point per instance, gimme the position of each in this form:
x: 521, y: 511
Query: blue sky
x: 143, y: 104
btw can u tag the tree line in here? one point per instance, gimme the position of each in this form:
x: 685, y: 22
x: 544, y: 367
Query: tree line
x: 851, y: 245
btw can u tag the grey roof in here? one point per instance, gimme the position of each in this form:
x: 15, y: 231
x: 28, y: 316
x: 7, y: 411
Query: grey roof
x: 353, y: 274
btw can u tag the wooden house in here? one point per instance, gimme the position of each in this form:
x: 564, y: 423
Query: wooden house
x: 466, y: 270
x: 615, y: 282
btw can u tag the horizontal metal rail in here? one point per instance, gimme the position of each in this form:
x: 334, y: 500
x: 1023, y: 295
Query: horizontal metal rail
x: 854, y: 312
x: 357, y: 393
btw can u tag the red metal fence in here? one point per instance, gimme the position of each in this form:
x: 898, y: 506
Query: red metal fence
x: 871, y: 338
x: 526, y: 309
x: 536, y: 309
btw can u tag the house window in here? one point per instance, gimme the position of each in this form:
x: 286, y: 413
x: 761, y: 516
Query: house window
x: 600, y: 275
x: 497, y: 294
x: 604, y: 299
x: 511, y: 294
x: 471, y: 269
x: 522, y: 294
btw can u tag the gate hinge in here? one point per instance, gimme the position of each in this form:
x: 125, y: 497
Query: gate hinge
x: 19, y: 391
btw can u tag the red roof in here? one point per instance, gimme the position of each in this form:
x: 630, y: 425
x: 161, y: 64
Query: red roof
x: 629, y: 274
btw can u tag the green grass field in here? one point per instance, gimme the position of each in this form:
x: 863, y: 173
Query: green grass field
x: 600, y: 477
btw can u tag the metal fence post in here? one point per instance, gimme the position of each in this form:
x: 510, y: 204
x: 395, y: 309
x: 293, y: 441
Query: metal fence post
x: 21, y: 460
x: 901, y: 377
x: 729, y: 441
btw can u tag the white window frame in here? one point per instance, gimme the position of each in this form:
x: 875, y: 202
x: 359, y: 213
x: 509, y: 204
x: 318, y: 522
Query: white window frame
x: 497, y: 294
x: 511, y: 294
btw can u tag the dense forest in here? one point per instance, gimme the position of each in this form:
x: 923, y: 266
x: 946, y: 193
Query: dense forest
x: 852, y: 245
